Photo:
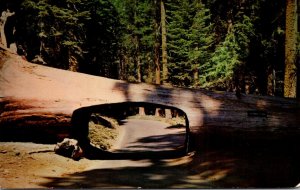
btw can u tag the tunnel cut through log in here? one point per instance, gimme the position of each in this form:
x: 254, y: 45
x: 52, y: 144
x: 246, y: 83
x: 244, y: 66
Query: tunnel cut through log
x: 81, y: 117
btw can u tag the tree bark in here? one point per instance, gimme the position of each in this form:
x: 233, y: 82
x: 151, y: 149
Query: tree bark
x: 196, y: 77
x: 73, y: 62
x: 164, y: 42
x: 271, y: 84
x: 138, y: 69
x: 157, y: 63
x: 290, y: 74
x: 121, y: 68
x: 157, y: 45
x: 157, y: 112
x: 142, y: 111
x: 168, y: 114
x: 52, y: 100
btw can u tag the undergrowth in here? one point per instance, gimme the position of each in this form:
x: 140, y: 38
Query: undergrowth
x: 103, y: 136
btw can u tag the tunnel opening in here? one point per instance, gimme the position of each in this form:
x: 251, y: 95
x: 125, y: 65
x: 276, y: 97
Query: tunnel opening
x: 131, y: 129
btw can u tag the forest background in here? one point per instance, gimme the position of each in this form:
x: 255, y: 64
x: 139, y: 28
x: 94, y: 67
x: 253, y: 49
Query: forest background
x: 247, y: 46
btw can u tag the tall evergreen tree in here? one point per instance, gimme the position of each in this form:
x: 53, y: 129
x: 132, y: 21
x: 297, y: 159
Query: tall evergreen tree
x: 230, y: 55
x: 189, y: 41
x: 262, y: 71
x: 179, y: 22
x: 138, y: 38
x: 201, y: 34
x: 103, y: 33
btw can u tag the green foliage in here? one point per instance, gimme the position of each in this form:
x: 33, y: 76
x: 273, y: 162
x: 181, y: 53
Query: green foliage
x: 190, y: 41
x: 252, y: 46
x: 64, y: 31
x: 178, y: 17
x: 57, y: 26
x: 103, y: 33
x: 229, y: 55
x: 201, y: 34
x: 137, y: 36
x: 210, y: 43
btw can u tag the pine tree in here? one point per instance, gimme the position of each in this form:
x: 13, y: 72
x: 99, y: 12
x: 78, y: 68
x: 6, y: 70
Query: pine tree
x: 265, y: 60
x: 230, y: 55
x: 103, y: 33
x: 179, y: 21
x: 189, y: 41
x: 138, y: 38
x: 201, y: 35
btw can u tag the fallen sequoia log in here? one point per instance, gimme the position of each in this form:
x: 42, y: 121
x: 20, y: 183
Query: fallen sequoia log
x: 51, y: 100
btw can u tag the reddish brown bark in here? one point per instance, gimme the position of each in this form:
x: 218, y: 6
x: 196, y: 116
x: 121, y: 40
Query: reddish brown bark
x: 35, y: 95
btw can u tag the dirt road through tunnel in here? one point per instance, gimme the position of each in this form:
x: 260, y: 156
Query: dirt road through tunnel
x: 149, y: 136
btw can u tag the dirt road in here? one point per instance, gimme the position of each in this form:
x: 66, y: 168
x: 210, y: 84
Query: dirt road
x: 149, y: 136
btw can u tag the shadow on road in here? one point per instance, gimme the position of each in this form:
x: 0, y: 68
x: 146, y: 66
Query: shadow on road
x: 217, y: 163
x: 98, y: 154
x: 158, y: 149
x: 157, y: 143
x: 209, y: 168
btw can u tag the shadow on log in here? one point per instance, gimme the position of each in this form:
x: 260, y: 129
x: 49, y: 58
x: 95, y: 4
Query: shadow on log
x: 46, y: 98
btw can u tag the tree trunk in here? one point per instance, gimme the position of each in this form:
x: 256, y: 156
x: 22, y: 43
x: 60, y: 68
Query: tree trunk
x: 73, y: 62
x: 121, y: 72
x: 196, y: 77
x: 157, y: 63
x: 298, y: 49
x: 271, y: 82
x: 150, y: 70
x: 164, y: 42
x: 298, y: 73
x: 168, y: 114
x: 142, y: 111
x: 157, y: 44
x: 290, y: 73
x: 52, y: 100
x: 157, y: 112
x: 136, y: 39
x: 138, y: 69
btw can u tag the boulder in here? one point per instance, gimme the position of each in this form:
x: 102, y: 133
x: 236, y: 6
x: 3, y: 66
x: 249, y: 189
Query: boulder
x: 69, y: 148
